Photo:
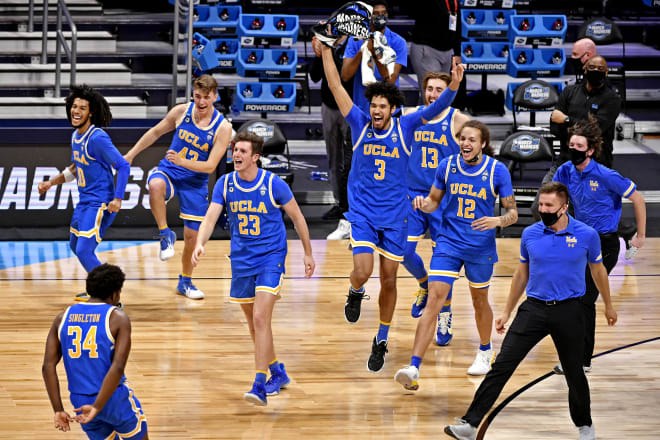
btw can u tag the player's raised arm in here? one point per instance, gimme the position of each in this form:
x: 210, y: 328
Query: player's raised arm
x: 167, y: 124
x: 344, y: 101
x: 293, y: 211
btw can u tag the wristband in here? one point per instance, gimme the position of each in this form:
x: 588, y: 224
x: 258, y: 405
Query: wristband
x: 68, y: 175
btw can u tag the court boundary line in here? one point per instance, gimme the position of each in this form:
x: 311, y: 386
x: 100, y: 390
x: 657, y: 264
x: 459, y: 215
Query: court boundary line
x: 286, y: 278
x: 491, y: 416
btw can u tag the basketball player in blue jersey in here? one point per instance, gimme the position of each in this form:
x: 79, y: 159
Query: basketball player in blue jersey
x: 254, y: 199
x: 94, y: 156
x: 94, y: 338
x: 433, y: 142
x: 200, y: 141
x: 377, y: 186
x: 470, y: 182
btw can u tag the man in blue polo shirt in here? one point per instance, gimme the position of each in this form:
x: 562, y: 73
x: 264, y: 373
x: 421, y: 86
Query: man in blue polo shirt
x: 354, y: 53
x: 595, y: 193
x: 552, y: 255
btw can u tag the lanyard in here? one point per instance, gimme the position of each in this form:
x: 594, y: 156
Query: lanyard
x: 449, y: 9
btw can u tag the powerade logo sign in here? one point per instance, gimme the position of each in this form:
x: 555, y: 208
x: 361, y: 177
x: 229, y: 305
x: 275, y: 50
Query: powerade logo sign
x: 525, y: 145
x: 536, y: 94
x: 263, y: 130
x: 599, y: 30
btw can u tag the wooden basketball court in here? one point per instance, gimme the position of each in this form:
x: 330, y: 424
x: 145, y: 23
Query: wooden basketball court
x: 191, y: 361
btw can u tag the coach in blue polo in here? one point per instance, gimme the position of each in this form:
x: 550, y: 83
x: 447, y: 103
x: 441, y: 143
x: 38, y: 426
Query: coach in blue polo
x: 553, y: 253
x: 595, y: 193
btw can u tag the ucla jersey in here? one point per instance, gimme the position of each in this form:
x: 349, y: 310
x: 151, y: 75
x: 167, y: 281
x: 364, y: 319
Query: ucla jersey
x: 94, y: 176
x: 377, y: 180
x: 87, y: 346
x: 470, y: 193
x: 432, y: 143
x: 192, y: 142
x: 258, y: 234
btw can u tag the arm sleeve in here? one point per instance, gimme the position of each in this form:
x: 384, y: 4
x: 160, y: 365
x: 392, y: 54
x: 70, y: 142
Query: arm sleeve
x: 440, y: 175
x: 593, y: 247
x: 621, y: 185
x: 502, y: 181
x: 105, y: 151
x: 411, y: 121
x: 524, y: 254
x: 281, y: 191
x: 218, y: 191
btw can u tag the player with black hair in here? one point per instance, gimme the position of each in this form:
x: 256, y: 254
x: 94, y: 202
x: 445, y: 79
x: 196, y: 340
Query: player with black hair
x: 94, y: 156
x: 94, y: 338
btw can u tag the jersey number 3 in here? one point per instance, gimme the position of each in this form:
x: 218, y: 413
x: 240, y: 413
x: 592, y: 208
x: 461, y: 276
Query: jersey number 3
x: 380, y: 175
x: 88, y: 344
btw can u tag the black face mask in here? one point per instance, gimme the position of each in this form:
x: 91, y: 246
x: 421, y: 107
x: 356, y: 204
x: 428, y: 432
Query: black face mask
x: 595, y: 77
x: 550, y: 218
x: 576, y: 63
x: 379, y: 21
x: 577, y: 156
x: 475, y: 159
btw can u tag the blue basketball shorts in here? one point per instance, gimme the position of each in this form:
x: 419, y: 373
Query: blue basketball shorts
x: 122, y: 415
x: 90, y: 220
x: 390, y: 242
x: 193, y: 197
x: 419, y: 222
x: 244, y: 288
x: 445, y: 268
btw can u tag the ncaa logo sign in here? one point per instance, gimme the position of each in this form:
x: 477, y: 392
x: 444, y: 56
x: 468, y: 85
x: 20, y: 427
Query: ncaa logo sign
x: 263, y: 130
x: 525, y: 145
x: 536, y: 93
x: 599, y: 30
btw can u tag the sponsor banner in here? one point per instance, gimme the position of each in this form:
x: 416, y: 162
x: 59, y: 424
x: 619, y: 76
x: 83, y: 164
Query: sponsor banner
x: 24, y: 167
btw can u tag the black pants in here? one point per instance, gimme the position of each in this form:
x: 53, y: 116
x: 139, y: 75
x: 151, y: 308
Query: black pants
x: 564, y: 322
x: 609, y: 248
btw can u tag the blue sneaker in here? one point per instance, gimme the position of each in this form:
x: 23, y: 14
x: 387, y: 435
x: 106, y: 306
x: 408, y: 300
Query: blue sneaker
x: 188, y: 289
x: 444, y: 333
x: 256, y: 395
x: 420, y: 302
x: 277, y: 381
x: 167, y: 245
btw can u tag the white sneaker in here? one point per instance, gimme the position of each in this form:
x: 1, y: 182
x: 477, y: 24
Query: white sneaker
x: 632, y: 250
x: 587, y: 432
x: 462, y: 431
x: 342, y: 232
x: 190, y: 291
x: 482, y: 363
x: 408, y: 377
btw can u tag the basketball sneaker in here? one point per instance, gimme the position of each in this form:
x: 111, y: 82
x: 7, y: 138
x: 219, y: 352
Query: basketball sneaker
x: 167, y: 245
x: 277, y: 381
x: 353, y: 305
x: 444, y: 333
x: 377, y: 357
x: 256, y: 395
x: 631, y: 250
x: 587, y: 432
x: 420, y: 303
x: 82, y: 297
x: 342, y: 232
x: 408, y: 377
x: 461, y: 431
x: 188, y: 289
x: 482, y: 362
